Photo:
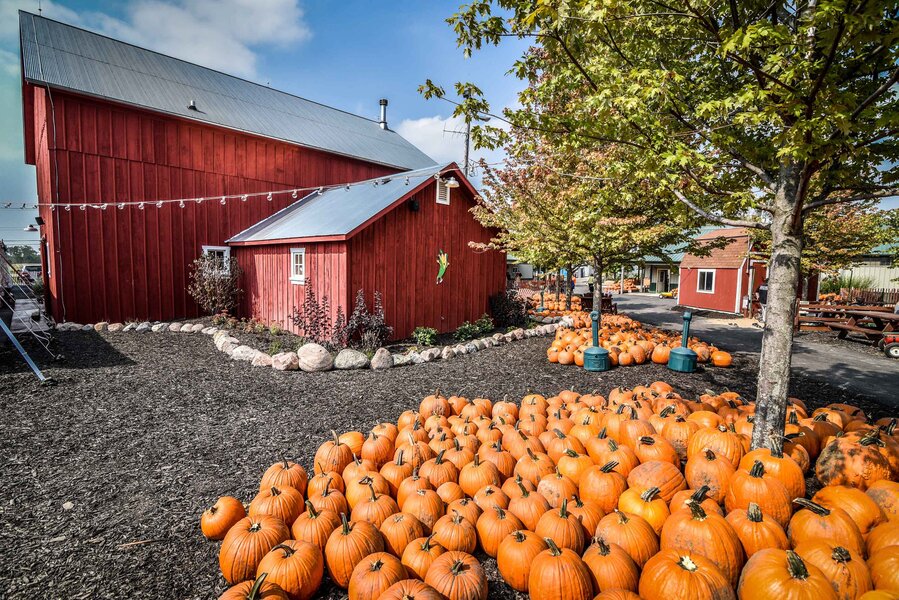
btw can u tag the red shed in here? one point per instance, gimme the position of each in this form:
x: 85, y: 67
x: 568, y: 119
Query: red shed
x: 383, y: 236
x: 719, y: 281
x: 119, y: 134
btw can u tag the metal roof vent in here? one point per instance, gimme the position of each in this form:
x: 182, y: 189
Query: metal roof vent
x: 383, y: 121
x: 192, y: 105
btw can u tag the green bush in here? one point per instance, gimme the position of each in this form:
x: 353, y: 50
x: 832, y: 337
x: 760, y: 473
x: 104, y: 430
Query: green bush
x: 833, y: 285
x: 275, y: 330
x: 425, y: 336
x: 275, y: 347
x: 484, y: 324
x: 466, y: 331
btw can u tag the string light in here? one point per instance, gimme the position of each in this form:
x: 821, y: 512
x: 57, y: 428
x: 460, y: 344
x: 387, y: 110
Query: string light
x: 294, y: 193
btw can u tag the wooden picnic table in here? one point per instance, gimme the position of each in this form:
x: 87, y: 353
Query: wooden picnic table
x: 859, y: 321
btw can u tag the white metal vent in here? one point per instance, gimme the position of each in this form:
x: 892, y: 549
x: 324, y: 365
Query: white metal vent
x: 443, y: 192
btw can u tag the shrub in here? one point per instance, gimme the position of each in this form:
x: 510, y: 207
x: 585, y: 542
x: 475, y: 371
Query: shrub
x: 833, y: 285
x: 220, y: 319
x: 484, y: 324
x: 313, y: 318
x: 275, y: 329
x: 508, y: 309
x: 365, y: 330
x: 275, y: 347
x: 214, y: 285
x: 425, y: 336
x: 466, y: 331
x: 368, y: 329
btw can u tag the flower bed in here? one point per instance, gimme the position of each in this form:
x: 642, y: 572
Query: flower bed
x: 641, y: 491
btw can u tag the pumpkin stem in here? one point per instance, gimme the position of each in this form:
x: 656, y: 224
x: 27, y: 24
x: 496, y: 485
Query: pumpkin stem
x: 577, y: 500
x: 399, y: 458
x: 213, y: 509
x: 571, y: 453
x: 602, y: 433
x: 284, y: 460
x: 288, y: 551
x: 777, y: 447
x: 371, y: 487
x: 531, y: 453
x: 841, y: 555
x: 553, y: 549
x: 563, y: 511
x: 872, y: 437
x: 602, y: 546
x: 336, y: 438
x: 376, y: 566
x: 477, y: 460
x: 795, y: 566
x: 426, y: 545
x: 613, y: 446
x: 500, y: 513
x: 524, y: 492
x: 697, y: 510
x: 519, y: 536
x: 668, y: 410
x: 256, y: 526
x: 649, y: 441
x: 686, y: 564
x: 609, y: 466
x: 754, y: 513
x: 457, y: 567
x: 650, y: 494
x: 312, y: 512
x: 257, y: 586
x: 559, y: 434
x: 700, y: 494
x: 812, y: 506
x: 275, y: 491
x: 439, y: 459
x: 345, y: 525
x: 622, y: 517
x: 757, y: 470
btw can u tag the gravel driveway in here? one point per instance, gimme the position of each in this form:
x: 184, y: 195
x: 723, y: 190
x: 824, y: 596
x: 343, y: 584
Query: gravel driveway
x: 105, y: 475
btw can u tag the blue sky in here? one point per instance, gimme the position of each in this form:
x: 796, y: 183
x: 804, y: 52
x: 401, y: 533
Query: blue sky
x: 343, y: 53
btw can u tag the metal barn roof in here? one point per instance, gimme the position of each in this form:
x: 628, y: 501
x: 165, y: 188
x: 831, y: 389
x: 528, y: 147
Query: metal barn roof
x: 70, y: 58
x: 338, y: 211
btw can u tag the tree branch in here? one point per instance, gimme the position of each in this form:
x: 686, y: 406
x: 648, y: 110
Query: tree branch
x: 716, y: 219
x: 886, y: 193
x: 893, y: 78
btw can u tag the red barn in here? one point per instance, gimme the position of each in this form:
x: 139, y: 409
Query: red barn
x: 384, y: 236
x: 719, y: 281
x: 119, y: 134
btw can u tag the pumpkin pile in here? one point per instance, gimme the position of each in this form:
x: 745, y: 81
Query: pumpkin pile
x: 629, y: 343
x: 641, y: 494
x: 554, y: 306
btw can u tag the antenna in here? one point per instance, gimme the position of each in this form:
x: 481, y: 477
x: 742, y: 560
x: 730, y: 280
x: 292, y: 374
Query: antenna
x: 39, y: 8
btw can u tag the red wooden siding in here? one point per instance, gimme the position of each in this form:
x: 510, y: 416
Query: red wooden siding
x: 132, y: 264
x: 724, y: 297
x: 397, y: 256
x: 270, y: 296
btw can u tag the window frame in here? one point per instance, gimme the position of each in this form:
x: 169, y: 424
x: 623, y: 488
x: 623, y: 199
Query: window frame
x: 226, y: 256
x: 441, y: 185
x: 699, y: 274
x: 294, y: 278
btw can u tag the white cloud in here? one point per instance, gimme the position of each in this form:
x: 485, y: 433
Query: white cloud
x: 432, y: 135
x: 220, y: 34
x: 9, y: 63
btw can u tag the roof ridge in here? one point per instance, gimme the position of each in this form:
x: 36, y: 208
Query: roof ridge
x: 187, y: 62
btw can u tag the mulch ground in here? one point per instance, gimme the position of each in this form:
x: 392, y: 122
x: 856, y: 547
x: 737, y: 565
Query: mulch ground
x: 143, y: 431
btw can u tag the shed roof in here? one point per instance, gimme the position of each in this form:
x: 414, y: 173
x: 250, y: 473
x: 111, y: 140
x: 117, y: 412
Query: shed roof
x: 340, y: 211
x: 731, y: 256
x: 69, y: 58
x: 675, y: 252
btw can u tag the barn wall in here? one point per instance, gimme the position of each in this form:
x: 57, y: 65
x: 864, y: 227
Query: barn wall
x: 270, y: 296
x: 133, y: 264
x: 725, y: 290
x: 397, y: 256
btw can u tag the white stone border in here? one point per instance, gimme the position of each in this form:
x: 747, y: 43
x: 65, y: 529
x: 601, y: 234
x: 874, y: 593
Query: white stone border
x: 313, y: 357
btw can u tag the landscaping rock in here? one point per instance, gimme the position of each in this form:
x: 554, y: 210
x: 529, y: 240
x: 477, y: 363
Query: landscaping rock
x: 480, y: 344
x: 159, y: 327
x: 460, y: 349
x: 416, y: 359
x: 518, y: 334
x: 285, y: 361
x: 499, y: 338
x: 220, y: 334
x: 129, y: 327
x: 228, y: 347
x: 313, y: 357
x: 431, y: 354
x: 244, y: 353
x: 87, y: 327
x: 350, y: 359
x: 209, y: 330
x: 101, y: 326
x: 262, y: 360
x: 382, y: 359
x: 471, y: 348
x: 220, y: 343
x: 400, y: 360
x: 508, y: 338
x: 142, y: 327
x: 175, y: 327
x: 447, y: 353
x: 115, y: 327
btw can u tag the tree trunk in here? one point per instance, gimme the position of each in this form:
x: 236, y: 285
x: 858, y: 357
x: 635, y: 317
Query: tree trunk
x: 777, y: 338
x: 558, y: 282
x: 597, y: 285
x: 568, y: 276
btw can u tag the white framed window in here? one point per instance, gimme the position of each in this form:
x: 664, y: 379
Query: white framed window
x: 443, y: 192
x: 705, y: 281
x: 298, y: 265
x: 222, y: 256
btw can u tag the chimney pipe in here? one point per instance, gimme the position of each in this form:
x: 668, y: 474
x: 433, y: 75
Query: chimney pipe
x: 383, y: 121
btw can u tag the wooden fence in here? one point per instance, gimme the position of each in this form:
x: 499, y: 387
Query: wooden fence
x: 875, y: 296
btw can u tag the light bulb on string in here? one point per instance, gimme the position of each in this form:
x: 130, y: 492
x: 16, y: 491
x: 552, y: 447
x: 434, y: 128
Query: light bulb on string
x: 293, y: 194
x: 181, y: 204
x: 121, y: 206
x: 269, y: 197
x: 223, y: 201
x: 200, y: 200
x: 243, y: 198
x: 83, y: 206
x: 140, y: 206
x: 159, y: 204
x: 68, y: 208
x: 103, y: 206
x: 320, y: 190
x: 347, y: 187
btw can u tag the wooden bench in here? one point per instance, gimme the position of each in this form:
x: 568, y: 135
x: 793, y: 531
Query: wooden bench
x: 843, y: 329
